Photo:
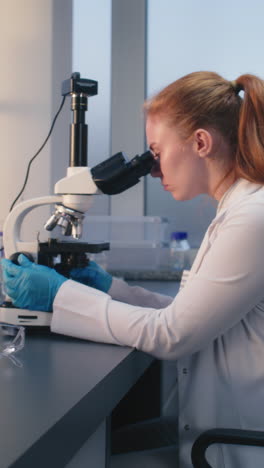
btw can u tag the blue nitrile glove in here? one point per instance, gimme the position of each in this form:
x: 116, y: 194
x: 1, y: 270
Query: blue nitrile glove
x: 92, y: 275
x: 31, y: 286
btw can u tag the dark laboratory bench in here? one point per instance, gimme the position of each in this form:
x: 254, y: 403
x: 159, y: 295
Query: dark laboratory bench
x: 55, y: 406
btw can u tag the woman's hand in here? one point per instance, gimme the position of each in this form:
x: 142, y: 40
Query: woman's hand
x: 29, y: 285
x: 92, y: 275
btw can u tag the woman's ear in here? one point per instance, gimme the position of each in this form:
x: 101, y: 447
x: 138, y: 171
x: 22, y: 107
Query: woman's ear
x: 203, y: 142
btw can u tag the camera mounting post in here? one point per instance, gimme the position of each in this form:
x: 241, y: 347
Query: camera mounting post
x: 77, y: 185
x: 79, y: 89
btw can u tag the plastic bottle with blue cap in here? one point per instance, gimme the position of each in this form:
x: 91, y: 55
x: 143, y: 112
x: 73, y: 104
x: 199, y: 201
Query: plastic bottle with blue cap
x: 179, y: 251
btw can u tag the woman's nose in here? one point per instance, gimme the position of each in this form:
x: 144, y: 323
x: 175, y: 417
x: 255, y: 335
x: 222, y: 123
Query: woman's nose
x: 155, y: 171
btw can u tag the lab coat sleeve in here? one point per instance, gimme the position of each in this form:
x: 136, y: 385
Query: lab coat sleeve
x: 227, y: 286
x: 135, y: 295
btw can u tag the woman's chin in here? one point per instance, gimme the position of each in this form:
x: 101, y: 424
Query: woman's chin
x: 181, y: 196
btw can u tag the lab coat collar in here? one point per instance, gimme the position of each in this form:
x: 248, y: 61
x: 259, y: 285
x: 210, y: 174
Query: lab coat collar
x: 233, y: 195
x: 238, y: 190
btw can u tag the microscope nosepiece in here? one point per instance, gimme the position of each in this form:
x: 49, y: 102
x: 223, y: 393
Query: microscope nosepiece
x: 69, y: 220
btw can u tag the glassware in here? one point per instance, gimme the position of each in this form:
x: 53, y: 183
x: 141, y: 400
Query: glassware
x: 12, y: 339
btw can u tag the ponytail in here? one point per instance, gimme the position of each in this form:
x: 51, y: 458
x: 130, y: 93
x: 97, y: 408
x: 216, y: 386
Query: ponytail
x: 250, y: 148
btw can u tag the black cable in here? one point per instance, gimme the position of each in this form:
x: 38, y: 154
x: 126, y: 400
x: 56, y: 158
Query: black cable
x: 37, y: 153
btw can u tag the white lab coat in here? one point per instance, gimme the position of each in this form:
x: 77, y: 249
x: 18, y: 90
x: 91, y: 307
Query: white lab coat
x: 214, y: 327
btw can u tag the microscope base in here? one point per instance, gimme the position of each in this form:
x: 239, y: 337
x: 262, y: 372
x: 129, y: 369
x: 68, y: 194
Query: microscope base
x: 25, y: 318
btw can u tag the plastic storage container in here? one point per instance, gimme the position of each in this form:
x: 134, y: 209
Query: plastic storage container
x: 179, y: 251
x: 136, y: 242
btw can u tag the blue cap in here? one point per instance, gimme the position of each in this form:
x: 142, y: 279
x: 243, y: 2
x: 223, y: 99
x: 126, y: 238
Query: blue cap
x: 179, y: 235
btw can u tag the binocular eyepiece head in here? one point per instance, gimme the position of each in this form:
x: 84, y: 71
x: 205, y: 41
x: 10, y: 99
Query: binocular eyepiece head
x: 114, y: 175
x: 117, y: 174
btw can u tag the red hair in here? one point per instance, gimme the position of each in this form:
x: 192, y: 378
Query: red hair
x: 206, y: 100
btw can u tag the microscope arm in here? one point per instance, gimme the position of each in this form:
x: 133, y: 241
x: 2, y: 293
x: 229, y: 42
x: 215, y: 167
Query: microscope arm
x: 13, y: 223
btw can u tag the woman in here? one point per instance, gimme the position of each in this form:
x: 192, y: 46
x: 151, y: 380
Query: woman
x: 205, y: 138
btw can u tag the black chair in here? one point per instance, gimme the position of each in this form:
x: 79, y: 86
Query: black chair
x: 223, y: 436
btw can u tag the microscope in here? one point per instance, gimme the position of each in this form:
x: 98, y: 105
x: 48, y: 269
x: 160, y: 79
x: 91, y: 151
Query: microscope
x: 71, y: 200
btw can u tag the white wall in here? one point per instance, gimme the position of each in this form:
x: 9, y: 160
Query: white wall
x: 226, y: 37
x: 128, y: 94
x: 35, y: 38
x: 92, y: 58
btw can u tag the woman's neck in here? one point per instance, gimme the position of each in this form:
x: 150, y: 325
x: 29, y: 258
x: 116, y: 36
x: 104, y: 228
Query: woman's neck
x: 224, y: 184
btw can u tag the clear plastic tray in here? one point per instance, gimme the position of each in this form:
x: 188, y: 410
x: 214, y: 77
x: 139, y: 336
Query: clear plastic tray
x: 122, y: 230
x: 136, y: 242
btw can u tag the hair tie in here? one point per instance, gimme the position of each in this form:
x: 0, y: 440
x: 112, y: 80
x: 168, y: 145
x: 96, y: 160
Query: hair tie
x: 236, y: 87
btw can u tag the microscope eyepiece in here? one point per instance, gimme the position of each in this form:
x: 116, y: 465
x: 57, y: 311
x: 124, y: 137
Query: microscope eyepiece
x: 116, y: 174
